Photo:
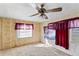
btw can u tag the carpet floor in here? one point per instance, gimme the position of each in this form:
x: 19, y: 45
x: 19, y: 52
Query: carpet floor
x: 32, y: 50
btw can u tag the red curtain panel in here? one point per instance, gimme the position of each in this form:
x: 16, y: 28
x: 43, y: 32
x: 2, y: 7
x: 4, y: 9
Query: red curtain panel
x: 62, y: 33
x: 61, y: 28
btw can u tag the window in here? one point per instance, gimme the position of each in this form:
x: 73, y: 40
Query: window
x: 24, y: 30
x: 49, y: 33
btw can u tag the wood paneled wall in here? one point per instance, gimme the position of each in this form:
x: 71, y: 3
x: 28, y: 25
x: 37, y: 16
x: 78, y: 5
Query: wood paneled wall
x: 8, y: 37
x: 0, y: 34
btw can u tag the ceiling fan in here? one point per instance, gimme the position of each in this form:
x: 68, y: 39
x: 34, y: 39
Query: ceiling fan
x: 41, y: 11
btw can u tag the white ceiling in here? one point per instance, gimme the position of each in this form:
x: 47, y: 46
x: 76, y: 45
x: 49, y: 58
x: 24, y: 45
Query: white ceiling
x: 22, y: 11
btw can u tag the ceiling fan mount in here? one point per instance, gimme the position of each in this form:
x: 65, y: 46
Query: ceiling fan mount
x: 42, y: 11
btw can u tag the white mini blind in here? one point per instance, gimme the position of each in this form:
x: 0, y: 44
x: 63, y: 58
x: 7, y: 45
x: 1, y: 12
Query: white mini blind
x: 24, y: 30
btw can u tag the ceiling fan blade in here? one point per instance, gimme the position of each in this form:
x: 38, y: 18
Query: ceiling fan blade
x: 55, y: 10
x: 37, y: 7
x: 34, y: 14
x: 32, y: 5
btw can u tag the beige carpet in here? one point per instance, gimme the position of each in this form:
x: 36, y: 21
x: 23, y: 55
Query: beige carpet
x: 32, y: 50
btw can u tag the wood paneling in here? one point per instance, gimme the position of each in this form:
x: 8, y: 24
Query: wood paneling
x: 0, y: 34
x: 7, y: 34
x: 9, y: 38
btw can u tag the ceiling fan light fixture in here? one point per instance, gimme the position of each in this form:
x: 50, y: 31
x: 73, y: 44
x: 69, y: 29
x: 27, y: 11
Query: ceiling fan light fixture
x: 42, y: 11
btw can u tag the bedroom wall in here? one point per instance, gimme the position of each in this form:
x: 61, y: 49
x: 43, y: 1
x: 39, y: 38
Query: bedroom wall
x: 9, y: 38
x: 0, y: 34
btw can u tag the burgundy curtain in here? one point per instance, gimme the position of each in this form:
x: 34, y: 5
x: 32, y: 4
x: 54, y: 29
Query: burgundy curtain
x: 73, y: 23
x: 19, y: 26
x: 62, y: 34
